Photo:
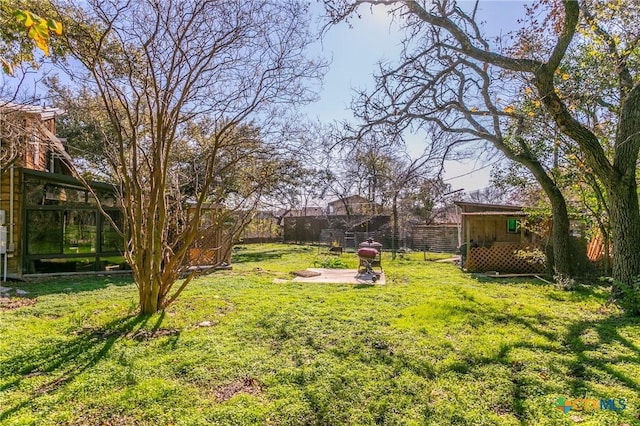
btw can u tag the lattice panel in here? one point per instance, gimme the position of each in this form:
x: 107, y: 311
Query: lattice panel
x: 502, y: 259
x: 209, y: 256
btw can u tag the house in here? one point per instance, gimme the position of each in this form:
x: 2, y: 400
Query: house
x: 353, y: 205
x: 343, y: 222
x: 51, y: 222
x: 493, y: 235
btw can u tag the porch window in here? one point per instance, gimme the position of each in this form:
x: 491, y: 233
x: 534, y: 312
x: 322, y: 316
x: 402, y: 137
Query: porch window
x: 63, y: 229
x: 44, y: 232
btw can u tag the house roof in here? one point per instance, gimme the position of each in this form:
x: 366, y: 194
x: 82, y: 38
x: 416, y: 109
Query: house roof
x: 358, y: 198
x: 45, y: 113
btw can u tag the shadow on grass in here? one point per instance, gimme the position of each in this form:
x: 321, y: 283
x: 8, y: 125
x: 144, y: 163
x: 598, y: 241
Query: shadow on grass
x: 359, y: 286
x: 64, y: 360
x: 583, y: 354
x: 242, y: 255
x: 72, y: 285
x: 599, y: 347
x: 582, y: 364
x: 579, y: 293
x: 482, y: 278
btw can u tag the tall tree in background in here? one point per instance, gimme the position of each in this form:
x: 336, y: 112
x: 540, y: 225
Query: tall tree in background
x: 85, y: 126
x: 158, y: 66
x: 441, y: 30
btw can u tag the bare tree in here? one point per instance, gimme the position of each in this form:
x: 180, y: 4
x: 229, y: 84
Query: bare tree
x: 12, y: 131
x: 478, y: 82
x: 160, y: 65
x: 387, y: 169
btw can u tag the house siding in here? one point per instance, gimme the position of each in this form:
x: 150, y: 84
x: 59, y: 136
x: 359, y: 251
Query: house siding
x: 14, y: 258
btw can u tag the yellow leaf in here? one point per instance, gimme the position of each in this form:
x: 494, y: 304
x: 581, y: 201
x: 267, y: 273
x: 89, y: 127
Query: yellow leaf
x: 54, y: 26
x: 509, y: 109
x: 28, y: 19
x: 537, y: 104
x: 58, y: 28
x: 527, y: 90
x: 532, y: 114
x: 565, y: 76
x: 40, y: 38
x: 41, y: 42
x: 474, y: 109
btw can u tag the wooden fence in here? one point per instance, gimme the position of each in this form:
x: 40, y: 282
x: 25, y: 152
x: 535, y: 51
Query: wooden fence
x: 596, y: 249
x: 211, y: 247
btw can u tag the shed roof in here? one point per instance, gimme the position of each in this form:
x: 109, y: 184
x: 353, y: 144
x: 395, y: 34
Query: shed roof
x: 502, y: 213
x: 496, y: 207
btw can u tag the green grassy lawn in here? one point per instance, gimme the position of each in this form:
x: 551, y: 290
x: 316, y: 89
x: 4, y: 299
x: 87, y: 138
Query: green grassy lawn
x: 433, y: 346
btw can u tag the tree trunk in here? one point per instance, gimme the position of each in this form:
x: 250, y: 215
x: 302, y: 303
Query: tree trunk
x: 148, y: 278
x: 625, y: 228
x: 562, y: 263
x: 152, y: 298
x: 150, y: 304
x: 394, y: 234
x: 622, y: 189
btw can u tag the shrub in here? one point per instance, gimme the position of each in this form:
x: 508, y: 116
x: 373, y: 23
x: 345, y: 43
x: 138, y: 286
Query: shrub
x: 627, y: 296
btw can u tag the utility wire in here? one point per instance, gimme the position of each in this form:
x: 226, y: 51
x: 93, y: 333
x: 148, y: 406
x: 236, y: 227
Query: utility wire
x: 472, y: 171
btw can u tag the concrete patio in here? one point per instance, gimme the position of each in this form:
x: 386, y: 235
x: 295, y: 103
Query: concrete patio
x: 339, y: 276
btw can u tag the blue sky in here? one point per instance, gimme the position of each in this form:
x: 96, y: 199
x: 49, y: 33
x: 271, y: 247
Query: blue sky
x: 355, y: 52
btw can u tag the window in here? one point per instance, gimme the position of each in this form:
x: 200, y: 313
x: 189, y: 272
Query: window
x: 513, y: 225
x: 44, y: 232
x: 64, y: 231
x: 111, y: 240
x: 80, y: 232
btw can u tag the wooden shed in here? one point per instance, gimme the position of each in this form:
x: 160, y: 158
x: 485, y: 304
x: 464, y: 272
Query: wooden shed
x: 492, y: 237
x: 212, y: 245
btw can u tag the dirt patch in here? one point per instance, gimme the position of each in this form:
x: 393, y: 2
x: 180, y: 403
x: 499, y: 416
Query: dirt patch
x: 139, y: 335
x: 152, y: 334
x: 91, y: 418
x: 51, y: 386
x: 246, y: 385
x: 12, y: 303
